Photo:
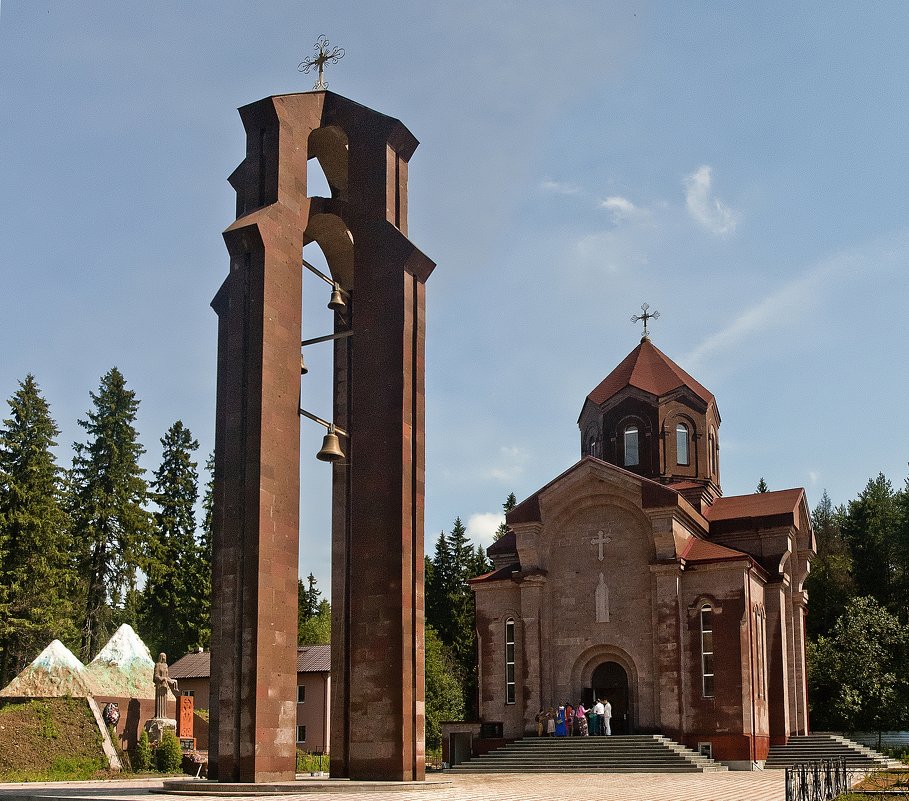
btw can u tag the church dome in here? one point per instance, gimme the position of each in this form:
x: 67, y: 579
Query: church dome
x: 650, y: 417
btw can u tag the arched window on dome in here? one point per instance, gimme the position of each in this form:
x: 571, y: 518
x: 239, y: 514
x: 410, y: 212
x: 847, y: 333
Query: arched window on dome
x: 632, y: 456
x: 710, y: 454
x: 682, y: 437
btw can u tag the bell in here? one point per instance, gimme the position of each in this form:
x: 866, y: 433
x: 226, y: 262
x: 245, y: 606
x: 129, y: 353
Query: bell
x: 303, y: 368
x: 331, y: 448
x: 337, y: 302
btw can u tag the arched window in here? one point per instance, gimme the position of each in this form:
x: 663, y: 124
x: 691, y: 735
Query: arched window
x: 710, y: 454
x: 592, y: 448
x: 509, y: 661
x: 707, y: 649
x: 681, y: 444
x: 631, y: 446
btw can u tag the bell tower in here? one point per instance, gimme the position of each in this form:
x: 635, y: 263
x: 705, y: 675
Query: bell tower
x: 378, y: 486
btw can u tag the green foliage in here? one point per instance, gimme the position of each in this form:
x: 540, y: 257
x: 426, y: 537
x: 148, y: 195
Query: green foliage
x: 856, y: 675
x: 311, y: 763
x: 175, y: 618
x: 762, y: 485
x: 34, y: 535
x: 45, y: 719
x: 313, y: 614
x: 168, y: 756
x: 142, y: 758
x: 444, y: 688
x: 107, y: 506
x: 510, y: 502
x: 830, y: 584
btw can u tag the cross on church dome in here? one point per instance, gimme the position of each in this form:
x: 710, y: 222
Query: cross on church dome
x: 645, y: 316
x: 322, y: 57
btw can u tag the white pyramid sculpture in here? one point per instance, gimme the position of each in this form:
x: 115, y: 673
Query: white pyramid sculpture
x: 55, y: 672
x: 124, y: 667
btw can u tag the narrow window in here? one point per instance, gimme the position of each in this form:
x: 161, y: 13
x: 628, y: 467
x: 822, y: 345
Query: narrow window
x: 592, y: 448
x: 681, y: 444
x: 763, y: 631
x: 301, y: 734
x: 301, y: 694
x: 631, y: 446
x: 509, y: 662
x: 707, y: 649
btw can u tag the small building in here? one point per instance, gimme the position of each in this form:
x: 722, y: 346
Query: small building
x: 313, y: 732
x: 631, y: 578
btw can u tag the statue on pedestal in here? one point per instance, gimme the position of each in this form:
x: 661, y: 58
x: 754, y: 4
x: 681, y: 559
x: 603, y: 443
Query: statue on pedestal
x: 164, y: 684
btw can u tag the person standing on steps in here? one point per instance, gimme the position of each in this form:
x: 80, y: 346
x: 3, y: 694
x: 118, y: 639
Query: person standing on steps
x: 600, y: 711
x: 607, y: 717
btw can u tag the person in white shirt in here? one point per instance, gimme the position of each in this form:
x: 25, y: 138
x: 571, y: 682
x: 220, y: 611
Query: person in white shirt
x: 600, y: 711
x: 607, y: 715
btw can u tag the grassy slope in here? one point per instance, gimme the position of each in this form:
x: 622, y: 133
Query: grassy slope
x: 49, y: 739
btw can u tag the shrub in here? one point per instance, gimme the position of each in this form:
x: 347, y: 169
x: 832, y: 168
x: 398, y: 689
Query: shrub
x: 143, y: 756
x: 168, y: 755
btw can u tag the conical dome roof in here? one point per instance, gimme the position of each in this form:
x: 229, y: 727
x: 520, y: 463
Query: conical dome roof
x: 649, y: 369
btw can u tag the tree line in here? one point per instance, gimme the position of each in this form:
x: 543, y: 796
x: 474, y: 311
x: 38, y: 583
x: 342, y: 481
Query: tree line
x: 858, y: 611
x: 86, y: 548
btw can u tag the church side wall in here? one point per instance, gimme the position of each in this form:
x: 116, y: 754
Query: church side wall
x: 495, y: 603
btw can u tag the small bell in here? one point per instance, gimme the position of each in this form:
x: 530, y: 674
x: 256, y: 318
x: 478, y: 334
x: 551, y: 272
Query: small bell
x: 303, y: 368
x: 337, y: 301
x: 331, y: 448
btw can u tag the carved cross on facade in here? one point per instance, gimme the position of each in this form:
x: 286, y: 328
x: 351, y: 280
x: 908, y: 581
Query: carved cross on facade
x: 645, y: 316
x: 600, y: 540
x: 322, y: 57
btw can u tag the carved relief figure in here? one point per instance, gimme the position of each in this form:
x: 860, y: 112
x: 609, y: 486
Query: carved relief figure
x: 601, y: 598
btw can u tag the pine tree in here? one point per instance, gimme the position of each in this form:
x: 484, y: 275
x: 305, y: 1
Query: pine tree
x: 762, y: 485
x: 830, y: 584
x: 871, y: 528
x: 36, y: 580
x: 510, y: 503
x: 170, y: 610
x: 108, y: 495
x: 313, y: 614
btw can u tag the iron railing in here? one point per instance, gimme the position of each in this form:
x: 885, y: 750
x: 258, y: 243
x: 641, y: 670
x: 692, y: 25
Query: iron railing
x: 822, y: 780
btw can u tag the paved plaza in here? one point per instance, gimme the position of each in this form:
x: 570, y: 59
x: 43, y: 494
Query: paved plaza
x: 731, y: 786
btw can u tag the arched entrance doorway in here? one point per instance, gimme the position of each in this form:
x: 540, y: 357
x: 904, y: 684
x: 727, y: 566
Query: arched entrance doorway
x: 610, y: 682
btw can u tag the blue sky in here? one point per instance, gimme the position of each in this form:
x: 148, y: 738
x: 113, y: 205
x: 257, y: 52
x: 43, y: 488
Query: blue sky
x: 739, y: 166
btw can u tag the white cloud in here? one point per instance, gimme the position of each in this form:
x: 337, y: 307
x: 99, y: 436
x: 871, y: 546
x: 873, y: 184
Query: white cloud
x: 559, y: 187
x: 482, y: 526
x: 509, y: 464
x: 813, y: 477
x: 705, y: 209
x: 623, y: 210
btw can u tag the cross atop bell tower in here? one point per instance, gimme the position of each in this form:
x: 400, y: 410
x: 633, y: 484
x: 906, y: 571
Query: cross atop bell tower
x: 644, y: 316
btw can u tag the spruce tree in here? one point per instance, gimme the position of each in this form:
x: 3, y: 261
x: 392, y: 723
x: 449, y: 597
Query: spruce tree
x: 108, y: 496
x: 510, y: 503
x: 36, y: 580
x: 170, y: 610
x: 762, y: 485
x: 830, y: 584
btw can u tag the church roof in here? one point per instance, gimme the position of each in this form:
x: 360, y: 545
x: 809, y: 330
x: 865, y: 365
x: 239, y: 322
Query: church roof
x: 649, y: 369
x: 698, y: 550
x: 758, y: 504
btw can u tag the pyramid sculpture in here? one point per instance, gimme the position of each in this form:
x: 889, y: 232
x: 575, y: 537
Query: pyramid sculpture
x: 124, y: 668
x: 55, y: 672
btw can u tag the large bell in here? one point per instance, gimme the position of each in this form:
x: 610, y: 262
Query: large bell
x: 331, y: 448
x: 337, y: 301
x: 303, y: 368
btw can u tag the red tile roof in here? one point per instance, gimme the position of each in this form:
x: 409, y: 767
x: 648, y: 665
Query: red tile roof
x: 698, y: 550
x: 759, y: 504
x: 649, y: 369
x: 310, y: 659
x: 496, y: 575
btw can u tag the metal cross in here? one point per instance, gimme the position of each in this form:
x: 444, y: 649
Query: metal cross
x: 322, y: 57
x: 636, y: 318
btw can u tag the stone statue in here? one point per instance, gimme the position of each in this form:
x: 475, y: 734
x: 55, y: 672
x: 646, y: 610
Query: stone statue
x: 163, y: 684
x: 601, y: 597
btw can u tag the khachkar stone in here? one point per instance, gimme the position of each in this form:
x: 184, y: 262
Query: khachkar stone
x: 377, y: 530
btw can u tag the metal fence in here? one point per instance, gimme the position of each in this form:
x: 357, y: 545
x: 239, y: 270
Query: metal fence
x: 817, y: 781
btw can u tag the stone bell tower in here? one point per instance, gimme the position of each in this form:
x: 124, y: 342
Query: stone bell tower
x: 378, y: 487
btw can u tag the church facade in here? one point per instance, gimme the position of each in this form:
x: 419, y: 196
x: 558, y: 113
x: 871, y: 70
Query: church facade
x: 631, y: 578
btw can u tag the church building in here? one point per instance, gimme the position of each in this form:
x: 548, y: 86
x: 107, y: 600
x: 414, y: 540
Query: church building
x: 630, y: 577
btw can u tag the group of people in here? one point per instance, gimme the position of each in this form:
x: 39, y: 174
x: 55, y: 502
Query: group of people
x: 575, y: 721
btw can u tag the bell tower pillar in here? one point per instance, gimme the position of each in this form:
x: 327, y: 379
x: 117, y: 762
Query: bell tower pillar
x: 378, y: 487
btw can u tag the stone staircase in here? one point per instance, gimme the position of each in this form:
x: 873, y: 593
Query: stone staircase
x: 637, y: 753
x: 823, y: 745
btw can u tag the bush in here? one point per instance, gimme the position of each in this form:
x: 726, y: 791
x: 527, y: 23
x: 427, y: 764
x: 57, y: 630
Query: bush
x: 311, y: 763
x: 168, y: 755
x: 143, y: 755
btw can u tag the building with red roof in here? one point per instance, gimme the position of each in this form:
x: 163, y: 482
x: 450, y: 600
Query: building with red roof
x: 631, y: 578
